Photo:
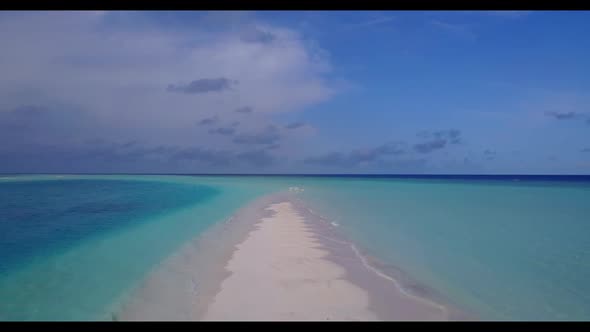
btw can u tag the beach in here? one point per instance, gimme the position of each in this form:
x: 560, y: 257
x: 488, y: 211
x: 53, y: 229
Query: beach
x: 279, y: 273
x: 277, y: 262
x: 184, y: 248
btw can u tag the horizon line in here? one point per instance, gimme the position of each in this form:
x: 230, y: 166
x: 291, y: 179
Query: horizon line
x: 292, y: 174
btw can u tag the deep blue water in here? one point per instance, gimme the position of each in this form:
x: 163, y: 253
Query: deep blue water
x: 75, y: 247
x: 43, y: 216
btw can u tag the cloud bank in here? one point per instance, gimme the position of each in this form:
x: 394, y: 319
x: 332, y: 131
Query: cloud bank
x: 114, y: 77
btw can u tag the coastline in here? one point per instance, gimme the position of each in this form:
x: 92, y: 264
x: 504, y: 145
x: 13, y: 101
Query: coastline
x: 195, y: 283
x: 180, y: 288
x: 393, y: 294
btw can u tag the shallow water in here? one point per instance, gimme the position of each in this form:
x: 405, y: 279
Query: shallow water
x: 75, y: 247
x: 505, y: 250
x: 72, y: 248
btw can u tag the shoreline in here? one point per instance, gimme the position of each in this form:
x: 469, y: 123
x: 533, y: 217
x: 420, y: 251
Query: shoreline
x: 382, y: 281
x: 180, y: 287
x: 190, y: 284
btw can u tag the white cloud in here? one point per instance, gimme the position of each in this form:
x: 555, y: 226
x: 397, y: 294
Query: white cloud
x: 120, y: 73
x: 508, y: 13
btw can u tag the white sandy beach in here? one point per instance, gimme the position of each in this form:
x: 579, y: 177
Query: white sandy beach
x: 279, y: 273
x: 274, y: 260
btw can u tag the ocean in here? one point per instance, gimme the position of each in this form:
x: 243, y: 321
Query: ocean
x: 73, y: 247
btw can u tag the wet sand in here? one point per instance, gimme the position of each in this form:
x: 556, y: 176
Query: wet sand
x: 279, y: 273
x: 276, y: 260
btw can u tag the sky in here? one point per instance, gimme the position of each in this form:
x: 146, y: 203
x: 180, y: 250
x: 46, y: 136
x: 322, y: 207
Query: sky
x: 388, y: 92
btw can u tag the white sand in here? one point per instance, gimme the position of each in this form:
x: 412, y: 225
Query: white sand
x: 279, y: 273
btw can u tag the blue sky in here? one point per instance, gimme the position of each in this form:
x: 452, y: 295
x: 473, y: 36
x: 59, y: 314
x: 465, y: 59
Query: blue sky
x: 295, y: 92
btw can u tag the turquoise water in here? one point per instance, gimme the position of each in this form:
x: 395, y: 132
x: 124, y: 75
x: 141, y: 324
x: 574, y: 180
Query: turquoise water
x: 73, y: 247
x: 504, y: 250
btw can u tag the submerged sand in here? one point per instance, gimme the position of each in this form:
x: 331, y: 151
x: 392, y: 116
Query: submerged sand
x: 275, y: 260
x: 279, y: 273
x: 287, y: 269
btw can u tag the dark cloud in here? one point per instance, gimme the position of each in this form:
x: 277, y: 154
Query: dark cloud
x: 270, y: 135
x: 344, y: 162
x: 295, y: 125
x: 489, y: 154
x: 203, y: 85
x: 208, y: 121
x: 244, y: 110
x: 130, y: 144
x: 585, y: 150
x: 359, y: 156
x: 274, y: 146
x: 235, y: 124
x: 132, y: 156
x: 132, y: 151
x: 209, y: 157
x: 45, y: 124
x: 95, y: 155
x: 22, y: 118
x: 430, y: 146
x: 204, y: 156
x: 373, y: 154
x: 253, y: 34
x: 225, y: 131
x: 31, y: 115
x: 411, y: 165
x: 258, y: 158
x: 452, y: 136
x: 437, y: 140
x: 330, y: 159
x: 562, y: 115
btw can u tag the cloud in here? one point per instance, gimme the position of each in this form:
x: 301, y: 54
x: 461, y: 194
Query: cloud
x: 225, y: 131
x: 453, y: 136
x: 339, y: 162
x: 295, y: 125
x: 203, y: 85
x: 208, y: 121
x: 430, y: 146
x: 93, y: 156
x: 337, y: 159
x: 244, y: 110
x: 455, y: 29
x: 210, y: 157
x: 359, y: 156
x: 28, y: 124
x: 585, y: 150
x: 489, y: 154
x: 437, y: 140
x: 513, y: 14
x: 269, y: 135
x: 372, y: 22
x: 562, y: 115
x: 253, y: 34
x: 258, y: 158
x: 131, y: 56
